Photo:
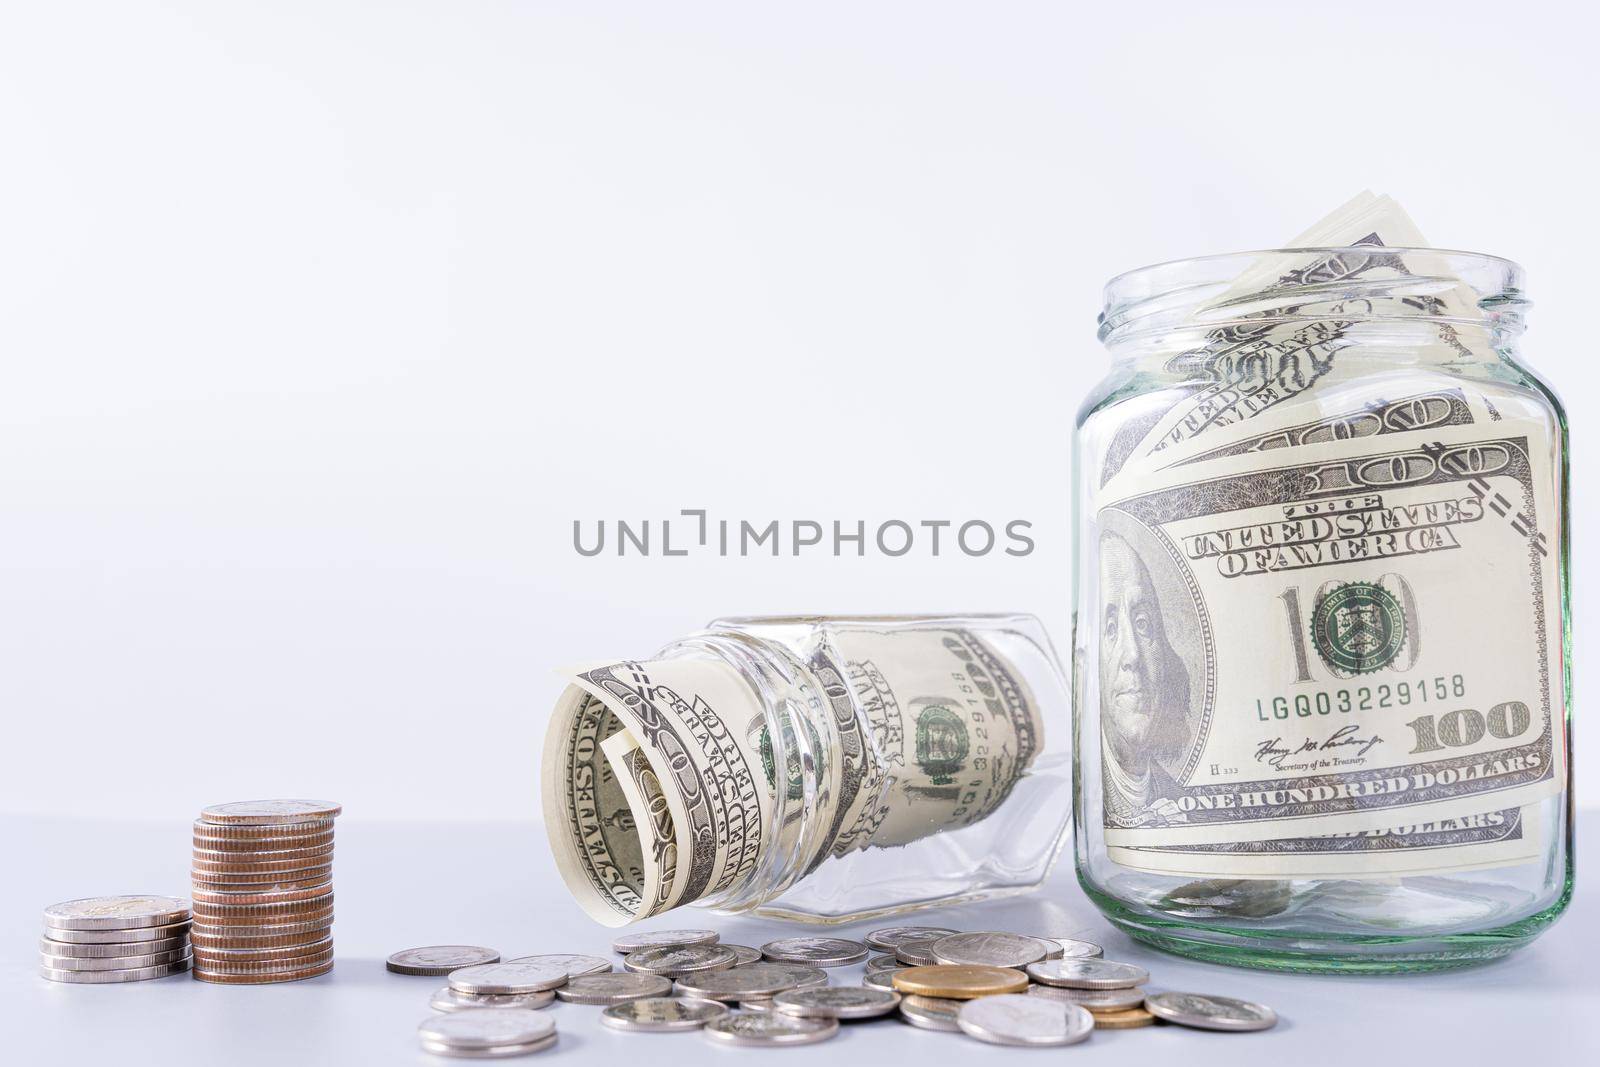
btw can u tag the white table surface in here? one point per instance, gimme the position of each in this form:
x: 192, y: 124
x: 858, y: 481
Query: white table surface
x: 402, y: 885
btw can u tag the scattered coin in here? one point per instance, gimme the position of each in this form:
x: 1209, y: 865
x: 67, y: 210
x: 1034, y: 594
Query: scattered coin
x: 743, y: 954
x: 837, y: 1002
x: 613, y: 988
x: 951, y: 982
x: 273, y: 812
x: 475, y: 1032
x: 439, y: 959
x: 574, y: 964
x: 989, y: 949
x: 768, y: 1029
x: 662, y: 939
x: 1088, y: 974
x: 56, y: 974
x: 660, y: 1014
x: 916, y: 953
x: 1014, y: 1020
x: 675, y: 961
x: 502, y: 978
x: 447, y: 999
x: 753, y: 980
x: 931, y: 1013
x: 1206, y: 1012
x: 1096, y: 1000
x: 886, y: 962
x: 817, y: 951
x: 882, y: 979
x: 892, y: 937
x: 1130, y: 1019
x: 758, y: 1004
x: 1071, y: 949
x: 116, y: 913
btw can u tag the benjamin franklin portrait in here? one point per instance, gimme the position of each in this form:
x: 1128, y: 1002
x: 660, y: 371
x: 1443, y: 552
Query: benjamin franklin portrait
x: 1147, y: 703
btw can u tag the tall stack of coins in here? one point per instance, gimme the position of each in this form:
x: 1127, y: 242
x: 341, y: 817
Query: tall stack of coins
x: 263, y: 891
x: 115, y: 939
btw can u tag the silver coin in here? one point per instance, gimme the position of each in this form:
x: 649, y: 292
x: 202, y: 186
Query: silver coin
x: 613, y: 988
x: 930, y: 1013
x: 439, y: 959
x: 489, y: 1052
x: 487, y: 1028
x: 892, y: 937
x: 1088, y: 974
x: 1010, y: 1019
x: 1206, y: 1012
x: 662, y: 939
x: 114, y: 937
x: 837, y: 1002
x: 766, y: 1029
x: 739, y: 983
x: 447, y: 999
x: 1093, y: 999
x: 68, y: 950
x: 269, y: 812
x: 817, y: 951
x: 660, y: 1014
x: 758, y: 1004
x: 676, y: 961
x: 501, y: 978
x: 743, y: 954
x: 1067, y: 948
x: 115, y: 963
x: 115, y: 913
x: 141, y: 974
x: 916, y: 953
x: 881, y: 979
x: 988, y: 949
x: 887, y: 962
x: 573, y: 964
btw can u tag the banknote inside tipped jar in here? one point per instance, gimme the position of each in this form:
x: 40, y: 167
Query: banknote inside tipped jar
x: 1320, y: 608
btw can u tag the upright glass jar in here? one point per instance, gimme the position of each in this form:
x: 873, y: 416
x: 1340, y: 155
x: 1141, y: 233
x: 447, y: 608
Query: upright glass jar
x: 820, y: 768
x: 1321, y: 652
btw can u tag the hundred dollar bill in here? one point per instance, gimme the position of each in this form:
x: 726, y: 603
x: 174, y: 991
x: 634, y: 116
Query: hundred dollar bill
x: 1343, y: 640
x: 1468, y: 842
x: 663, y: 784
x: 1280, y: 337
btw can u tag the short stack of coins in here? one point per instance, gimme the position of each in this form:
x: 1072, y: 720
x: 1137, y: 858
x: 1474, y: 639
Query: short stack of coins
x: 115, y: 939
x: 262, y: 882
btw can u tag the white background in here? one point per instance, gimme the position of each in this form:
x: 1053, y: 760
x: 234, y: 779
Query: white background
x: 321, y: 322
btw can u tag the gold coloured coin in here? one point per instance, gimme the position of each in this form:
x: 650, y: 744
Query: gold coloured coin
x: 264, y: 979
x: 1128, y: 1019
x: 959, y: 981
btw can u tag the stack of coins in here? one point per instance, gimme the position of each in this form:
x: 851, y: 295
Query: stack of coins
x: 115, y: 939
x: 263, y: 891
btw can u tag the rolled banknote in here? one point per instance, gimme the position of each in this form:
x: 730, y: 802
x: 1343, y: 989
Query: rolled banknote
x: 689, y: 777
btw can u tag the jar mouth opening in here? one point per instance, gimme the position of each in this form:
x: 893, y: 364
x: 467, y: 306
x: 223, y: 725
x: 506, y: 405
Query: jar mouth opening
x: 1508, y: 266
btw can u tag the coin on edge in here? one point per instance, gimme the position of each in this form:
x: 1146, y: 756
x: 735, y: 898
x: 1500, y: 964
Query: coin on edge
x: 1088, y: 974
x: 116, y: 913
x: 662, y: 1014
x: 662, y: 939
x: 501, y: 978
x: 949, y: 982
x: 438, y: 960
x: 765, y: 1029
x: 1014, y: 1020
x: 1206, y: 1012
x: 989, y: 949
x: 447, y: 999
x: 613, y: 988
x: 837, y: 1002
x: 931, y: 1013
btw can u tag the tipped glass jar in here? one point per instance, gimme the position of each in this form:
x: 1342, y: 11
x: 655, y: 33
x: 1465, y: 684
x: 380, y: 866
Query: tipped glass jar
x: 821, y: 768
x: 1320, y: 641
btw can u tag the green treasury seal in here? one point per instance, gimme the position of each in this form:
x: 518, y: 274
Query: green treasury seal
x: 1359, y: 627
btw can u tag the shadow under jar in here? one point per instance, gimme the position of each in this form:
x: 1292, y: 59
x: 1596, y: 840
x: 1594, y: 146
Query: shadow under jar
x: 1321, y: 657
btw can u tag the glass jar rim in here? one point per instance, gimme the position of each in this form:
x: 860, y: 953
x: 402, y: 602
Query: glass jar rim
x: 1509, y: 266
